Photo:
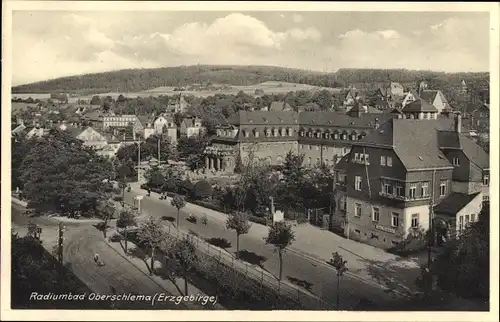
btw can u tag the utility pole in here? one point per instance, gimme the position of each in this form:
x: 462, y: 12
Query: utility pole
x: 139, y: 161
x: 60, y: 243
x: 431, y: 234
x: 159, y: 160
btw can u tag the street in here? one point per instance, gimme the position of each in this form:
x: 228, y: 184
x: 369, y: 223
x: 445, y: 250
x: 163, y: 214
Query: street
x: 82, y: 241
x: 318, y: 278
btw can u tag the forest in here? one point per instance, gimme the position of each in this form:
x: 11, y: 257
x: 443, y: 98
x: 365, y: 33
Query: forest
x: 133, y: 80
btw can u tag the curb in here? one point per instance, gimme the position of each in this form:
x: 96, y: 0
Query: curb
x: 350, y: 274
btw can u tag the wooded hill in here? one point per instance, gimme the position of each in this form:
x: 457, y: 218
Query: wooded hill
x: 135, y: 80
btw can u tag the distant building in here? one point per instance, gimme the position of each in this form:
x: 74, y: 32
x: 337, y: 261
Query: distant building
x: 177, y: 104
x: 351, y: 96
x: 191, y: 126
x: 110, y: 121
x: 433, y: 97
x: 280, y: 106
x: 165, y: 125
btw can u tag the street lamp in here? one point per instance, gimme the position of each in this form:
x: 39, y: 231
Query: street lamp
x: 340, y: 265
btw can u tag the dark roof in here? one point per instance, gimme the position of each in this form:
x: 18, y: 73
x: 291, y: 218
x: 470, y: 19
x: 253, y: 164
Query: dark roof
x: 190, y: 121
x: 414, y: 141
x: 145, y: 119
x: 263, y: 117
x: 366, y: 120
x: 343, y: 162
x: 419, y: 105
x: 73, y: 131
x: 428, y: 95
x: 280, y: 106
x: 474, y: 152
x: 453, y: 203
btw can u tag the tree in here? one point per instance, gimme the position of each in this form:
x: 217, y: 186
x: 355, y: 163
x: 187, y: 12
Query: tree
x: 96, y: 100
x: 238, y: 167
x: 339, y: 263
x: 238, y: 222
x: 463, y: 266
x: 293, y: 182
x: 151, y: 233
x: 280, y: 236
x: 178, y: 202
x: 202, y: 190
x: 126, y: 220
x: 184, y: 252
x: 324, y: 99
x: 60, y: 175
x: 106, y: 212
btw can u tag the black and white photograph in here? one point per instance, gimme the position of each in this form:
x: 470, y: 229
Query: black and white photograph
x: 286, y: 159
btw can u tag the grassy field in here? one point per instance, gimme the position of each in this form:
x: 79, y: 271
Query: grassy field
x: 271, y: 87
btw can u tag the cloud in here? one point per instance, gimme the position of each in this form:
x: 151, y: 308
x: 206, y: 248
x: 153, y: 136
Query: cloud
x: 453, y: 45
x: 297, y: 18
x: 62, y: 43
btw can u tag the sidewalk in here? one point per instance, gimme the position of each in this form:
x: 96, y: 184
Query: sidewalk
x: 365, y: 262
x: 140, y: 259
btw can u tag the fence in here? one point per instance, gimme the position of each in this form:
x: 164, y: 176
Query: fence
x: 258, y: 275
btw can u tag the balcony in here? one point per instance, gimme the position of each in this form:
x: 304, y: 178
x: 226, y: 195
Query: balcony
x: 403, y: 198
x: 364, y: 162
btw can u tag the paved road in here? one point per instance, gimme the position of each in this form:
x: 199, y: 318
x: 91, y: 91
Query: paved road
x: 313, y: 276
x: 82, y: 241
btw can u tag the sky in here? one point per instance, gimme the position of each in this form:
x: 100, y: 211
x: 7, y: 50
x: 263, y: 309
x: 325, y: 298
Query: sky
x: 51, y: 44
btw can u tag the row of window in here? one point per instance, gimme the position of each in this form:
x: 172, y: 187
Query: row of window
x: 365, y: 159
x: 336, y: 135
x: 465, y: 220
x: 397, y: 190
x: 317, y: 148
x: 395, y: 217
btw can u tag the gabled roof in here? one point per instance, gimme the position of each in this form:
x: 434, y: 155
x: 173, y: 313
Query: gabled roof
x: 414, y: 141
x: 263, y: 117
x: 190, y: 121
x: 419, y: 105
x: 453, y: 203
x: 340, y: 119
x: 280, y: 106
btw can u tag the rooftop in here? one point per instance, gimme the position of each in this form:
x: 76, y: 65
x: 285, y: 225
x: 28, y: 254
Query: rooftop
x: 263, y: 118
x: 453, y: 203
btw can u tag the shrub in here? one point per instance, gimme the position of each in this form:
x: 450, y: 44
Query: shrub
x: 116, y: 238
x: 257, y: 220
x: 201, y: 190
x: 184, y: 187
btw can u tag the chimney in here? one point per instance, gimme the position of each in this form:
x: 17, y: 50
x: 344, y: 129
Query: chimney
x: 458, y: 123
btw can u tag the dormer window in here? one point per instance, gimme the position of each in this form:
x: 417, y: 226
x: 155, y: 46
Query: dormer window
x: 268, y: 132
x: 256, y: 133
x: 301, y: 133
x: 327, y: 135
x: 344, y: 136
x: 318, y: 135
x: 290, y: 132
x: 275, y: 132
x: 336, y: 136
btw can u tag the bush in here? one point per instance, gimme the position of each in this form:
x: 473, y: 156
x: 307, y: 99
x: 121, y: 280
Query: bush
x: 202, y: 190
x: 184, y: 187
x: 257, y: 220
x: 116, y: 238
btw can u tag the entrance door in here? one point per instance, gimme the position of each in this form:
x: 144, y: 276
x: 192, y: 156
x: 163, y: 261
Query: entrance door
x: 326, y: 222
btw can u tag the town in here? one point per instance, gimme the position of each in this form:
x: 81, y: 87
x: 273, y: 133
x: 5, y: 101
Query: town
x: 349, y: 197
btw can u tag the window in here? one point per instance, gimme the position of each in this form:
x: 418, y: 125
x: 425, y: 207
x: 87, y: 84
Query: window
x: 382, y: 160
x: 456, y: 162
x: 461, y: 223
x: 317, y: 161
x: 442, y: 189
x: 336, y: 136
x: 357, y: 210
x: 425, y: 115
x: 376, y: 214
x: 486, y: 180
x: 486, y: 198
x: 424, y: 190
x: 373, y: 236
x: 395, y: 219
x: 327, y: 135
x: 246, y: 133
x: 473, y: 217
x: 345, y: 203
x: 344, y: 136
x: 388, y: 189
x: 389, y: 161
x: 342, y: 203
x: 310, y: 147
x: 414, y: 220
x: 413, y: 190
x: 356, y: 157
x: 357, y: 183
x: 301, y: 133
x: 367, y: 159
x: 345, y: 151
x: 357, y: 231
x: 466, y: 219
x: 309, y: 159
x: 399, y: 191
x: 317, y: 147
